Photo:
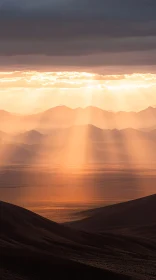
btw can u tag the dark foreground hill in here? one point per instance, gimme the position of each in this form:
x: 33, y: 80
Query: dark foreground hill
x: 132, y: 216
x: 32, y: 247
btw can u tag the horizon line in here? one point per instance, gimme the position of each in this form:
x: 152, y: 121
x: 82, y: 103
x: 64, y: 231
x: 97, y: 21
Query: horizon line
x: 76, y: 108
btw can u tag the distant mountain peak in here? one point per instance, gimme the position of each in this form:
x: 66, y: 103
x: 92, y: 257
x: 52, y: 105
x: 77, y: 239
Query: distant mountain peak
x: 150, y: 108
x: 61, y: 108
x: 4, y: 112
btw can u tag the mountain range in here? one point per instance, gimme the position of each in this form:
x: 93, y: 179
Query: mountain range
x: 62, y: 116
x: 79, y: 144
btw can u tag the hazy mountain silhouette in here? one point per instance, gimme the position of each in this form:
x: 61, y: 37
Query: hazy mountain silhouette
x: 85, y: 143
x: 30, y: 137
x: 54, y: 248
x: 62, y: 116
x: 16, y: 153
x: 148, y: 129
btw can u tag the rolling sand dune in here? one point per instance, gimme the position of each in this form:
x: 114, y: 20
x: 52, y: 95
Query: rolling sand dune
x: 33, y: 247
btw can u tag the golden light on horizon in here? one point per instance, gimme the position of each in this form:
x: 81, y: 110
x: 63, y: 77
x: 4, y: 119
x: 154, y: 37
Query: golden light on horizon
x: 32, y: 91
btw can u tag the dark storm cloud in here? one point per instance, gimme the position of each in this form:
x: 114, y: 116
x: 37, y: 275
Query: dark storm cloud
x: 38, y: 29
x: 76, y: 27
x: 77, y: 47
x: 141, y: 60
x: 132, y: 9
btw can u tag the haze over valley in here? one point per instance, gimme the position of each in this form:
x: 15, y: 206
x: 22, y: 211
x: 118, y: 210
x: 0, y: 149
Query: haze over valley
x: 67, y: 159
x: 78, y: 139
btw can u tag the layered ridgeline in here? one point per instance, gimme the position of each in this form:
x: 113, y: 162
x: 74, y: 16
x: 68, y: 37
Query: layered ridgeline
x: 62, y: 116
x: 79, y: 144
x: 33, y: 247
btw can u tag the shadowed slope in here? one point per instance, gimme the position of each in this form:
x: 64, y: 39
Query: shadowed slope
x: 125, y: 216
x: 33, y: 247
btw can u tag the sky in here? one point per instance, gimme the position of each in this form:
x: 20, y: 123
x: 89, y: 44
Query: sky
x: 77, y: 53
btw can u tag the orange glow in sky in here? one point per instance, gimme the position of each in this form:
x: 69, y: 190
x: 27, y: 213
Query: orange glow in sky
x: 32, y: 91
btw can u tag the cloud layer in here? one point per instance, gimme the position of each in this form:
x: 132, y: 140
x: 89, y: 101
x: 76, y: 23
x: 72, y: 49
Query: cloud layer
x: 76, y: 28
x: 31, y: 91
